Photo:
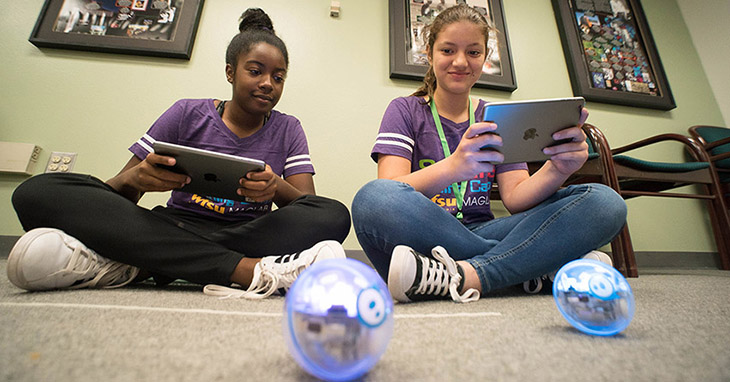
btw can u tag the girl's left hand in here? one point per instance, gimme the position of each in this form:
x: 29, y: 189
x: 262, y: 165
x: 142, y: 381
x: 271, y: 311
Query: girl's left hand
x: 569, y: 157
x: 259, y: 186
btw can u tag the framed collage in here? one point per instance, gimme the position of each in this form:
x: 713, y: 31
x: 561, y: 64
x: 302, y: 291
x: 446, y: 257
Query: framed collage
x: 610, y: 53
x: 163, y: 28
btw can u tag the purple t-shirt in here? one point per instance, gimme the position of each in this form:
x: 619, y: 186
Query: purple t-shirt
x: 281, y: 143
x: 408, y: 130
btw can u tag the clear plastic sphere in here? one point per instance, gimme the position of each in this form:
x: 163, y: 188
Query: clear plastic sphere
x: 594, y: 297
x: 338, y: 319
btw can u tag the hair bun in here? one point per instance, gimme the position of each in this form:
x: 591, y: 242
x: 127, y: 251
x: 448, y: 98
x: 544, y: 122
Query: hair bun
x: 253, y: 19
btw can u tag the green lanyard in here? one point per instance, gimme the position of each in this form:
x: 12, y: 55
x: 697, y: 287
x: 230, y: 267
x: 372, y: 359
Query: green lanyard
x: 459, y: 189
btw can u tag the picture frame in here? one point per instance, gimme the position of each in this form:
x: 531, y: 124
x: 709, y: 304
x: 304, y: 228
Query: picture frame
x: 610, y: 53
x: 407, y: 48
x: 139, y: 5
x: 159, y: 28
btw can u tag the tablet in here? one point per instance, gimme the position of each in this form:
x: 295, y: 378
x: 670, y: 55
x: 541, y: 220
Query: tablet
x: 211, y: 173
x: 526, y: 127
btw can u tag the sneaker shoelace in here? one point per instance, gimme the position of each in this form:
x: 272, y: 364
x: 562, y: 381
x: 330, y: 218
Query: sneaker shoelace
x: 441, y: 276
x: 97, y: 271
x: 268, y: 277
x: 286, y: 269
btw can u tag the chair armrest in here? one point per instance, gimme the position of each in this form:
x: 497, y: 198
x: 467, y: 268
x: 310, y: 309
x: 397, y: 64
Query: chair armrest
x: 691, y: 144
x: 712, y: 145
x: 600, y: 143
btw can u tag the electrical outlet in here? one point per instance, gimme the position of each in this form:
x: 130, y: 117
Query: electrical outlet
x: 61, y: 162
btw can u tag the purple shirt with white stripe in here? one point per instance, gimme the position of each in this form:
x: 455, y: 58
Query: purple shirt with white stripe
x: 281, y: 143
x: 408, y: 130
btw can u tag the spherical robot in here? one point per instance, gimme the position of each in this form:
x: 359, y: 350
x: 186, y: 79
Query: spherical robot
x: 594, y: 297
x: 338, y: 319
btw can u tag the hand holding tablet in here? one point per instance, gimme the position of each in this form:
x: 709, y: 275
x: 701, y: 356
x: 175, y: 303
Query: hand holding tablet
x: 526, y: 127
x: 211, y: 173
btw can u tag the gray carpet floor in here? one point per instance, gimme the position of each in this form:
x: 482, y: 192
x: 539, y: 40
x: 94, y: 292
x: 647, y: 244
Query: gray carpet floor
x: 680, y: 332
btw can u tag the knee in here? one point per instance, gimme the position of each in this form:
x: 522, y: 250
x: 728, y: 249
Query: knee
x: 333, y: 214
x: 608, y: 205
x: 373, y: 200
x: 52, y: 194
x: 34, y: 191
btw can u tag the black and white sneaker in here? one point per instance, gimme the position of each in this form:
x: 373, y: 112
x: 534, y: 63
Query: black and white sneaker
x: 48, y: 258
x: 544, y: 283
x: 277, y: 273
x: 415, y: 277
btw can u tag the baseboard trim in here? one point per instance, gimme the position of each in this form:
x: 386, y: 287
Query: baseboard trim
x: 646, y: 259
x: 6, y: 244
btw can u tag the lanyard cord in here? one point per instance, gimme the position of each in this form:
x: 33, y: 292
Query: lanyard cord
x: 459, y: 189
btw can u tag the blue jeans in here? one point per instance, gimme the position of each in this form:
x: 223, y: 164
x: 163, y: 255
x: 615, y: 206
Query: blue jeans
x: 504, y: 251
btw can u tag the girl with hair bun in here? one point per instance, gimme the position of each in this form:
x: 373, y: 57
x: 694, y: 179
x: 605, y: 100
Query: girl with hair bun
x: 99, y: 237
x: 426, y: 223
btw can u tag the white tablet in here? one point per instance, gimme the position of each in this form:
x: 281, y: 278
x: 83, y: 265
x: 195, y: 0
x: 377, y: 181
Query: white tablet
x: 526, y: 127
x: 211, y: 173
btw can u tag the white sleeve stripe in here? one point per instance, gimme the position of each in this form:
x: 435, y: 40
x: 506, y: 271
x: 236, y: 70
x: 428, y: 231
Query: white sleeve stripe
x: 397, y: 136
x: 297, y: 157
x: 149, y: 139
x: 145, y: 146
x: 401, y: 144
x: 300, y: 163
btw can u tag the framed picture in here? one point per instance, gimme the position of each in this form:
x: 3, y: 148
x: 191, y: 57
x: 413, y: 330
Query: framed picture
x: 162, y: 28
x: 611, y: 54
x: 408, y: 57
x: 139, y: 5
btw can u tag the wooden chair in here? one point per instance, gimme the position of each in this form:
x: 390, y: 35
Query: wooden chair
x: 715, y: 141
x: 598, y: 169
x: 633, y: 177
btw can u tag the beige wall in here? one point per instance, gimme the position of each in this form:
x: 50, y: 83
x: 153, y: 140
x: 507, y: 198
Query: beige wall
x: 98, y: 104
x: 710, y: 31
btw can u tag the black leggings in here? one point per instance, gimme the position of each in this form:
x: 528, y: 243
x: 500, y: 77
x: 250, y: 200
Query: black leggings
x: 169, y: 242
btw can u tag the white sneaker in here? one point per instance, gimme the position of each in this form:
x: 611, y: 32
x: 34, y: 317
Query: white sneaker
x: 545, y: 282
x: 599, y: 256
x: 274, y: 273
x: 415, y: 277
x: 47, y: 258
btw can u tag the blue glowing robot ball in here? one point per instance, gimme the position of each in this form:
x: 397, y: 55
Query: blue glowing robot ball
x: 594, y: 297
x: 338, y: 319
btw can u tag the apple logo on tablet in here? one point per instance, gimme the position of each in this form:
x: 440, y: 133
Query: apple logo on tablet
x: 530, y: 134
x: 210, y: 177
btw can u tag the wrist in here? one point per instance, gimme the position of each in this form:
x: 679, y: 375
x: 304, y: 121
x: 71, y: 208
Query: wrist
x: 455, y: 171
x: 555, y: 173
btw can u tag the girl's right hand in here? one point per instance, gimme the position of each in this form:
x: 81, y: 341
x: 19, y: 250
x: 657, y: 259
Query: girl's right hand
x: 148, y: 175
x: 475, y: 153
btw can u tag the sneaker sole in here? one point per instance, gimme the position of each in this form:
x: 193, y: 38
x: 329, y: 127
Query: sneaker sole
x: 400, y: 255
x: 599, y: 256
x: 15, y: 274
x: 527, y: 286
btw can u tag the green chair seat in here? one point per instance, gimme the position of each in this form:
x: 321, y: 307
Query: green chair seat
x: 659, y: 166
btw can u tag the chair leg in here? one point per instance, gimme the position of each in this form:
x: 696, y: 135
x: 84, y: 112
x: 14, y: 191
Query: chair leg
x: 622, y: 252
x: 721, y: 230
x: 720, y: 220
x: 628, y: 248
x: 617, y: 254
